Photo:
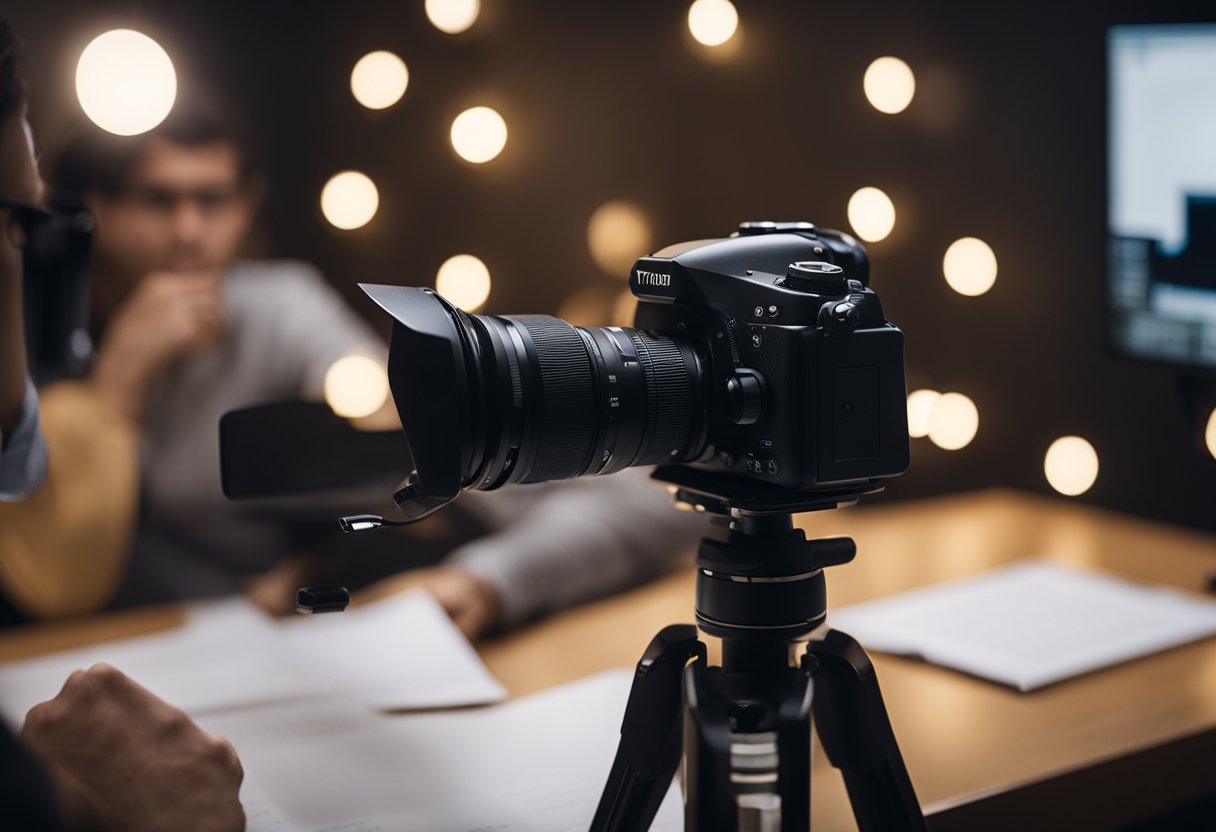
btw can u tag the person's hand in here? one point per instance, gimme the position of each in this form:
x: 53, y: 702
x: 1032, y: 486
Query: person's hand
x: 469, y: 599
x: 122, y: 759
x: 168, y: 317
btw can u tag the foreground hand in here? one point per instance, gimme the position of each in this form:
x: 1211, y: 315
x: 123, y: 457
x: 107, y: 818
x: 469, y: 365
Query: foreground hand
x: 122, y: 759
x: 168, y: 317
x: 467, y: 598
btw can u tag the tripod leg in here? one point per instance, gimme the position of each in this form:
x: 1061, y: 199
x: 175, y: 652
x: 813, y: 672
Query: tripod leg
x: 649, y: 752
x: 856, y: 734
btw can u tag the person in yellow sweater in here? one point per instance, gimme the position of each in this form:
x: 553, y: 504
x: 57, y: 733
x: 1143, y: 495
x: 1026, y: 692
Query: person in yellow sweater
x: 62, y: 549
x: 104, y: 753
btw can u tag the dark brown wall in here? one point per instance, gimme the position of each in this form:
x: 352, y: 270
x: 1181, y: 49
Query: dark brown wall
x: 1005, y: 140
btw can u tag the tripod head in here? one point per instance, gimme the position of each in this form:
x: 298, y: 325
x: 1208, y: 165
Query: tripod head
x: 758, y: 578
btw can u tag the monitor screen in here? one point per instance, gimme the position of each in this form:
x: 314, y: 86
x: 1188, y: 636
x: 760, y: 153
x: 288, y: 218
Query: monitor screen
x: 1162, y: 192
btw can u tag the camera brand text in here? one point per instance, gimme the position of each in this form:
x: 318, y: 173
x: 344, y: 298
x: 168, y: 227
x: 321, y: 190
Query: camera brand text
x: 653, y: 278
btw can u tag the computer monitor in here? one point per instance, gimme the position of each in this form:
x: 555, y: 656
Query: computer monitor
x: 1162, y: 192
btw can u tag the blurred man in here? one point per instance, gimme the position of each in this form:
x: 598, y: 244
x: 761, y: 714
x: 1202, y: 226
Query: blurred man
x: 118, y: 757
x: 187, y: 332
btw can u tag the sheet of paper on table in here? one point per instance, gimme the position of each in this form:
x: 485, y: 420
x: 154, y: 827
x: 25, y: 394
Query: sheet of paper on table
x: 1030, y: 624
x: 399, y: 653
x: 537, y: 763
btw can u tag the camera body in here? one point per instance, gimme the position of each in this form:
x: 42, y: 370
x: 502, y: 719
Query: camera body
x: 804, y: 375
x: 761, y: 361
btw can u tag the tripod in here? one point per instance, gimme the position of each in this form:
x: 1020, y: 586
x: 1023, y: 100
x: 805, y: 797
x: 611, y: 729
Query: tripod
x: 746, y: 726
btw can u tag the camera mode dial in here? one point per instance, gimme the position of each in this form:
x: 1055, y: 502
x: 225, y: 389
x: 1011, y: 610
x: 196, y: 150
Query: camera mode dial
x: 755, y: 227
x: 816, y: 276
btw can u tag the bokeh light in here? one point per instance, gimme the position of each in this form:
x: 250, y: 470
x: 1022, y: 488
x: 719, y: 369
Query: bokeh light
x: 379, y: 80
x: 920, y: 405
x: 452, y: 16
x: 125, y: 82
x: 349, y: 200
x: 872, y: 214
x: 953, y: 421
x: 889, y: 85
x: 625, y: 308
x: 465, y: 281
x: 1210, y: 434
x: 589, y: 306
x: 356, y: 386
x: 618, y: 234
x: 1071, y: 465
x: 712, y: 22
x: 970, y: 266
x: 479, y: 134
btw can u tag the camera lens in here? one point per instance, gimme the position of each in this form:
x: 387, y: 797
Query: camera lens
x: 553, y: 401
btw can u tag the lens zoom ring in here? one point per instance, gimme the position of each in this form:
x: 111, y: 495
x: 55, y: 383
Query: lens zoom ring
x: 668, y: 395
x: 568, y: 418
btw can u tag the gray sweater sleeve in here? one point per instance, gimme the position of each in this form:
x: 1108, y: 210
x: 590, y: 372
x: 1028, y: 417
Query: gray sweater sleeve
x: 563, y: 543
x: 23, y: 458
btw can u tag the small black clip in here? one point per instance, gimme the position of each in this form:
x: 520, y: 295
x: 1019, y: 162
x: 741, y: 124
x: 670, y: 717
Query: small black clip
x: 314, y: 599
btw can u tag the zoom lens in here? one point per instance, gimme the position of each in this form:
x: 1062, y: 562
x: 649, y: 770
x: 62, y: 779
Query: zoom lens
x: 553, y: 401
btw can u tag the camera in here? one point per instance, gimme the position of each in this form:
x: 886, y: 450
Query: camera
x: 762, y: 359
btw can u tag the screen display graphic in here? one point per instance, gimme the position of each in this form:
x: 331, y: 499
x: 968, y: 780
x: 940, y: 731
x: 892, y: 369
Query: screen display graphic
x: 1162, y: 187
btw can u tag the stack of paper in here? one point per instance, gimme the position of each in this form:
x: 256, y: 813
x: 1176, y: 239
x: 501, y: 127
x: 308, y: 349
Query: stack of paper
x: 399, y: 653
x: 1031, y: 624
x: 293, y: 697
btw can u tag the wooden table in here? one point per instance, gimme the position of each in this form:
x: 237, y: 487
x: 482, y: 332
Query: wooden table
x: 1096, y: 752
x: 1093, y: 753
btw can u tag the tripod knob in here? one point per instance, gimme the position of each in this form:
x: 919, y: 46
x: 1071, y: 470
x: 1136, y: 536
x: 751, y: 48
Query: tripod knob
x: 832, y: 551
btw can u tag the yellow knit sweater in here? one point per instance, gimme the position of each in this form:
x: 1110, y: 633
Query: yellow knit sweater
x: 63, y: 551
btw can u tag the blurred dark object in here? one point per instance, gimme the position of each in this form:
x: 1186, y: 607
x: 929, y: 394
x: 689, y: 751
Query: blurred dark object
x: 294, y: 449
x: 311, y: 599
x: 56, y: 289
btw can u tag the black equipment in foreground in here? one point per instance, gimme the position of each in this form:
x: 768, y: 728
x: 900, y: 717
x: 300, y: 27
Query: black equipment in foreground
x: 746, y: 726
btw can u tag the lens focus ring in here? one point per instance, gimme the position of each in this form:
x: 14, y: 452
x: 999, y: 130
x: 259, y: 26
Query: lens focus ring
x: 568, y: 416
x: 668, y: 393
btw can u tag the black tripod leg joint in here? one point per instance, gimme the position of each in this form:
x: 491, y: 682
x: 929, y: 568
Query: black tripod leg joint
x: 651, y: 733
x: 856, y: 733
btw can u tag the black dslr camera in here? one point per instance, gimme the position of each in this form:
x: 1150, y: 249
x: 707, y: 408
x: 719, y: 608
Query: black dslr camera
x: 762, y: 359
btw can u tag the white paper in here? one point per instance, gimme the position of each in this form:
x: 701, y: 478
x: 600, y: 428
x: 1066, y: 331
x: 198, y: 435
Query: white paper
x: 261, y: 815
x: 227, y: 653
x: 1031, y: 624
x: 533, y: 765
x: 402, y: 652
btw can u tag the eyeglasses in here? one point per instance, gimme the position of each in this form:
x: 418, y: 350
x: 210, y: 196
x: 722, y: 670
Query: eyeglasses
x: 26, y: 217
